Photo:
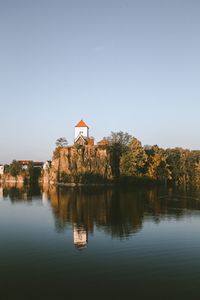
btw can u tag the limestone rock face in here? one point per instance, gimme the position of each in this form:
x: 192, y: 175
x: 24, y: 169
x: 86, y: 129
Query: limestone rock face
x: 80, y: 164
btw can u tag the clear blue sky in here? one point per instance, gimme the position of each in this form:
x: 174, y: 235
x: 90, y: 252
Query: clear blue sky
x: 118, y: 64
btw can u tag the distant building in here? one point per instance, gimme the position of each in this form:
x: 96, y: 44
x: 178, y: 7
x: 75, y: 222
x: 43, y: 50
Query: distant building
x: 46, y: 165
x: 38, y: 164
x: 103, y: 142
x: 1, y: 169
x: 82, y: 136
x: 26, y: 163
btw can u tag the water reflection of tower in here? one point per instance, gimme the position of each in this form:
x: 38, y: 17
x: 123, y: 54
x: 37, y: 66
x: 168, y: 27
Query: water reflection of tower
x: 1, y: 193
x: 45, y: 198
x: 80, y: 237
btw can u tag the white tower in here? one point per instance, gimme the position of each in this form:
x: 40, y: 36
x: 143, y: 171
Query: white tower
x: 81, y: 129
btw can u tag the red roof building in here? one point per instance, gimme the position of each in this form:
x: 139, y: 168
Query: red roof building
x: 82, y: 136
x: 81, y: 124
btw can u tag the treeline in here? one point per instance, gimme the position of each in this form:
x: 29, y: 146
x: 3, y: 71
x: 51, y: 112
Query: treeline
x: 151, y: 163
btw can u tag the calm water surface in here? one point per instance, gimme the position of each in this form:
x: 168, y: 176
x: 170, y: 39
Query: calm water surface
x: 99, y: 243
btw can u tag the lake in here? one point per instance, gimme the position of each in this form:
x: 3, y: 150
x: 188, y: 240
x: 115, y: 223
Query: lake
x: 89, y: 243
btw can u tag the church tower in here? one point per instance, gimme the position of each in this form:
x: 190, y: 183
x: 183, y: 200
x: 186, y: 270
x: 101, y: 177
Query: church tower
x: 82, y: 136
x: 81, y: 129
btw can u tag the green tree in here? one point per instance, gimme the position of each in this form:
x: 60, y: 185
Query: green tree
x: 118, y: 142
x: 120, y: 139
x: 15, y: 168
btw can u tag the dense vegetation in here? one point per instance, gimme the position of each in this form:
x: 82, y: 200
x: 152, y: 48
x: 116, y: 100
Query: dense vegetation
x: 131, y: 163
x: 151, y: 163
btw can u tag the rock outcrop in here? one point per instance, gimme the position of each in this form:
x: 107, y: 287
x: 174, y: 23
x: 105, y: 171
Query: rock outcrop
x: 80, y: 165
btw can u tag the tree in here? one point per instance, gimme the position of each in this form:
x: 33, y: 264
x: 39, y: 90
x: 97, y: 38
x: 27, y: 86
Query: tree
x: 15, y: 168
x: 119, y: 138
x: 157, y: 167
x: 176, y: 159
x: 133, y: 160
x: 118, y: 142
x: 61, y: 142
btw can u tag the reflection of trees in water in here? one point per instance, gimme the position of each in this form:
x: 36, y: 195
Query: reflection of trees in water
x: 118, y: 212
x: 79, y: 207
x: 171, y: 203
x: 18, y: 192
x: 125, y: 214
x: 111, y: 210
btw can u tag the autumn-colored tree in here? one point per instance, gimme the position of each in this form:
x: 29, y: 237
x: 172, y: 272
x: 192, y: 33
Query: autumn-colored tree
x: 133, y: 160
x: 157, y: 167
x: 176, y: 159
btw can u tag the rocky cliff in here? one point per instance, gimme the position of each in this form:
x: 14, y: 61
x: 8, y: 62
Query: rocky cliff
x: 80, y: 164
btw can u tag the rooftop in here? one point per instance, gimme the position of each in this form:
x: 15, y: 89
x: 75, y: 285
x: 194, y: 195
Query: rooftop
x: 81, y: 123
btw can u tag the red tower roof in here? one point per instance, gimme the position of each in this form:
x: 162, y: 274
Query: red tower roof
x: 81, y: 124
